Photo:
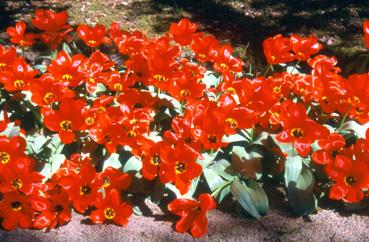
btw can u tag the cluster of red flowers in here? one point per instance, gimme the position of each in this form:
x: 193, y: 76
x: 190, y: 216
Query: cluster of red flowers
x: 66, y: 96
x: 161, y: 74
x: 27, y: 202
x: 345, y: 164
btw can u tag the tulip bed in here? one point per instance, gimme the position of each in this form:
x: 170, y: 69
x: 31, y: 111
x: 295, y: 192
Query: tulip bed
x: 101, y: 118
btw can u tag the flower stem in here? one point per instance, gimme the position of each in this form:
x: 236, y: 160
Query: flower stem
x: 251, y: 135
x: 342, y: 122
x: 267, y: 70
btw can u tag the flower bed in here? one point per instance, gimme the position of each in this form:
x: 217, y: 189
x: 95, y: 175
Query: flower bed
x: 176, y: 120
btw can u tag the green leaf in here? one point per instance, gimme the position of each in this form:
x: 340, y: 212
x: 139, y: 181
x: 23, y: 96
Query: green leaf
x: 36, y: 144
x: 56, y: 161
x: 213, y: 179
x: 51, y: 167
x: 220, y: 188
x: 56, y: 145
x: 40, y: 67
x: 137, y: 211
x: 293, y: 167
x: 210, y: 80
x: 100, y: 88
x: 299, y: 184
x: 75, y: 47
x: 207, y: 158
x: 223, y: 193
x: 42, y: 57
x: 287, y: 148
x: 315, y: 146
x: 224, y: 169
x: 132, y: 164
x: 46, y: 171
x: 67, y: 49
x: 258, y: 196
x: 54, y: 54
x: 358, y: 129
x: 233, y: 138
x: 112, y: 161
x: 240, y: 192
x: 11, y: 130
x: 260, y: 138
x: 293, y: 69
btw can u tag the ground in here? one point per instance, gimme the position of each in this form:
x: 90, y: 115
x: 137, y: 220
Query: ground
x: 245, y: 24
x: 326, y: 225
x: 337, y: 23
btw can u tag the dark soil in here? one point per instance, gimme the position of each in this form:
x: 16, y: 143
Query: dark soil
x: 337, y: 23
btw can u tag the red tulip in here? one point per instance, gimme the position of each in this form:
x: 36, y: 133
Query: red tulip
x: 350, y: 178
x: 303, y: 48
x: 193, y: 214
x: 66, y: 120
x: 277, y: 50
x: 298, y: 128
x: 18, y: 36
x: 111, y: 208
x: 180, y: 167
x: 65, y: 68
x: 183, y: 31
x: 7, y: 56
x: 19, y: 77
x: 81, y: 187
x: 15, y: 209
x: 92, y: 36
x: 112, y: 178
x: 55, y: 209
x: 330, y: 148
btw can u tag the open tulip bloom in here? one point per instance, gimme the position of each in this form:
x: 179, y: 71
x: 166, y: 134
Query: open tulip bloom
x: 111, y: 116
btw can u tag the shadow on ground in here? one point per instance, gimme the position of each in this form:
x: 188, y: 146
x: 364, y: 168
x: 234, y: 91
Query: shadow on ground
x: 337, y: 23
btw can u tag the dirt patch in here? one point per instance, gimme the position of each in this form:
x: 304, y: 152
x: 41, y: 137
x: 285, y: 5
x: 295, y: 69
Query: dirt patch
x: 337, y: 24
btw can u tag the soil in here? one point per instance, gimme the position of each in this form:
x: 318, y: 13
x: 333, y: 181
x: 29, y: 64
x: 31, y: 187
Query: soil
x: 336, y: 23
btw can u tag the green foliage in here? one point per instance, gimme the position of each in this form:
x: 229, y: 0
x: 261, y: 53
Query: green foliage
x: 251, y: 197
x: 299, y: 181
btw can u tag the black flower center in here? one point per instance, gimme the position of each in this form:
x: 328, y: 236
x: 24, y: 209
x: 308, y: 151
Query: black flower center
x: 212, y: 139
x: 66, y: 125
x: 109, y: 213
x: 4, y: 157
x: 85, y: 190
x: 297, y: 133
x: 155, y: 160
x: 17, y: 184
x: 58, y: 208
x: 16, y: 206
x: 350, y: 180
x: 180, y: 167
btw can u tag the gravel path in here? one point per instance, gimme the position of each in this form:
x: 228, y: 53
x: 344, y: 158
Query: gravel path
x: 326, y: 225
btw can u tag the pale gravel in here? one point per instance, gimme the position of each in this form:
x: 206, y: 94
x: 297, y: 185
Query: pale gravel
x: 326, y: 225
